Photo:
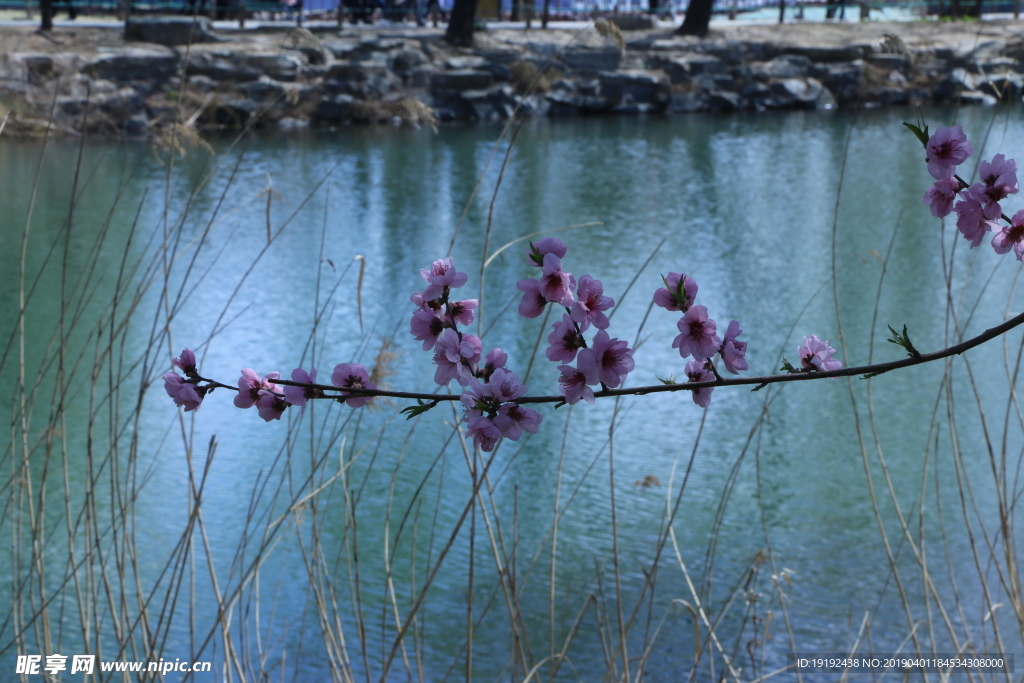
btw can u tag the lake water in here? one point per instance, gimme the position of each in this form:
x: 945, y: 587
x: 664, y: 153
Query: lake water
x: 747, y: 204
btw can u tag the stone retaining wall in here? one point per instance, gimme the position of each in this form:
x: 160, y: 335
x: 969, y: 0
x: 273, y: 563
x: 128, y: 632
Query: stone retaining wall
x: 292, y: 77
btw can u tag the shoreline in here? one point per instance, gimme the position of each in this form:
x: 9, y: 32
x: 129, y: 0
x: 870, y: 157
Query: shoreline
x: 96, y: 81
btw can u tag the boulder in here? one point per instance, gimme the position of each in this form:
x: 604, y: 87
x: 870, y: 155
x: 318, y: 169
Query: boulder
x: 724, y: 100
x: 134, y: 64
x: 334, y: 108
x: 1006, y: 87
x: 788, y: 66
x: 495, y: 103
x: 686, y: 68
x: 169, y: 30
x: 632, y: 86
x: 592, y: 59
x: 688, y: 102
x: 461, y: 80
x: 843, y: 80
x: 801, y: 93
x: 221, y: 65
x: 280, y: 67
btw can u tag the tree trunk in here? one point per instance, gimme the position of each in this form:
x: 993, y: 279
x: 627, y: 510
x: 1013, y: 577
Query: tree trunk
x: 460, y: 23
x: 544, y: 19
x: 46, y: 13
x: 782, y: 11
x: 698, y: 16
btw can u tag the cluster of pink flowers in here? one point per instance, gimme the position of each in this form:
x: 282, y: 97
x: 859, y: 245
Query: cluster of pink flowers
x: 270, y: 399
x: 492, y: 395
x: 698, y: 335
x: 491, y: 391
x: 185, y: 392
x: 606, y: 360
x: 977, y: 206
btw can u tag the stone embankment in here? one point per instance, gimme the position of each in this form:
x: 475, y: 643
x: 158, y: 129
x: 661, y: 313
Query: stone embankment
x: 163, y: 73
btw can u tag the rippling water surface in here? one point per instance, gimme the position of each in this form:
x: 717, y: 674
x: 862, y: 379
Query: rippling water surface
x: 746, y: 204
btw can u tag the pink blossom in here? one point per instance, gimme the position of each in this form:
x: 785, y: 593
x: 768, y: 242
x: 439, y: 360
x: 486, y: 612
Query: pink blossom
x: 477, y: 399
x: 513, y: 419
x: 971, y: 221
x: 541, y: 248
x: 484, y: 433
x: 504, y: 386
x: 697, y: 334
x: 998, y: 180
x: 533, y: 302
x: 607, y: 361
x: 670, y: 298
x: 941, y: 195
x: 462, y: 311
x: 250, y: 387
x: 187, y: 362
x: 184, y: 393
x: 426, y: 326
x: 453, y: 357
x: 946, y: 149
x: 591, y: 304
x: 734, y: 352
x: 424, y: 304
x: 564, y: 341
x: 271, y: 406
x: 355, y: 376
x: 297, y: 396
x: 817, y: 355
x: 696, y: 371
x: 496, y: 358
x: 555, y: 284
x: 442, y: 274
x: 572, y: 384
x: 1011, y: 236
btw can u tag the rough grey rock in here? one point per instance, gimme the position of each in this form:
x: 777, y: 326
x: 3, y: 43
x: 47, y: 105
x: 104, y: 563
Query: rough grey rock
x: 688, y: 102
x: 689, y: 67
x: 788, y: 66
x: 334, y: 108
x: 202, y: 83
x: 495, y: 103
x: 1006, y: 87
x: 724, y: 100
x: 461, y: 80
x: 134, y: 64
x: 233, y: 111
x: 632, y: 86
x: 729, y: 52
x: 363, y: 80
x: 593, y: 59
x: 465, y: 63
x: 800, y: 93
x: 405, y: 60
x: 824, y: 54
x: 170, y: 30
x: 843, y: 80
x: 280, y: 67
x: 889, y: 62
x: 35, y: 68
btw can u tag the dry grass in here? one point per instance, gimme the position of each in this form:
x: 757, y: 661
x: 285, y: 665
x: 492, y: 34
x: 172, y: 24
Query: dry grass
x: 527, y: 78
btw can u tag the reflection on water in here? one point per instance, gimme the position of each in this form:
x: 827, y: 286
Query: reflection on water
x: 743, y: 203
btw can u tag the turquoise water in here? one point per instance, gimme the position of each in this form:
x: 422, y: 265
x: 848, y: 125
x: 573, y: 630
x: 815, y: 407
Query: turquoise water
x: 746, y: 204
